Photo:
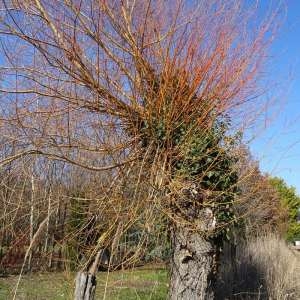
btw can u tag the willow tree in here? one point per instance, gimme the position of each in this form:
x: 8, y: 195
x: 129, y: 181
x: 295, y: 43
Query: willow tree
x: 107, y: 84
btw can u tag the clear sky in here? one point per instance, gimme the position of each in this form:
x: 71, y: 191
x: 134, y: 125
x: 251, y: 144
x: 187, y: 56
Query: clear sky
x: 278, y: 146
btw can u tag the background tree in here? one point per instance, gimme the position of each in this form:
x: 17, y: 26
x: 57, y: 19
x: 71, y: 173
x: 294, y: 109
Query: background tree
x: 291, y: 202
x: 258, y: 203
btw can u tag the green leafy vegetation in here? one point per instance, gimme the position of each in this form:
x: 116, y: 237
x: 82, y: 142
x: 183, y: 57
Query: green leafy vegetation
x: 291, y: 201
x: 198, y: 154
x: 206, y: 161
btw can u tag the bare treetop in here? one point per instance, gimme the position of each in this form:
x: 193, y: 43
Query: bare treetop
x: 78, y: 76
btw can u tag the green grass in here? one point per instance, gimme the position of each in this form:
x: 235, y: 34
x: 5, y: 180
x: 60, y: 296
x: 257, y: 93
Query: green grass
x: 130, y: 284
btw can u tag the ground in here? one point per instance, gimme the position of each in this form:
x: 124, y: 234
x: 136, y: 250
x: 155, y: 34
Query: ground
x: 144, y: 283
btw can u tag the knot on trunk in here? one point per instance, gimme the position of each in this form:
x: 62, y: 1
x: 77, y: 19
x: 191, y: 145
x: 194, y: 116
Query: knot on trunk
x: 191, y: 207
x: 185, y: 256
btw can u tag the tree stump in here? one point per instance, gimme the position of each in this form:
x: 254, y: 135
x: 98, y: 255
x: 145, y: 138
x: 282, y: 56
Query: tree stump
x: 85, y: 283
x: 85, y: 286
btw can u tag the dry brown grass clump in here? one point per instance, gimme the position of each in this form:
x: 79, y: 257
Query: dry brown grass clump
x: 265, y: 268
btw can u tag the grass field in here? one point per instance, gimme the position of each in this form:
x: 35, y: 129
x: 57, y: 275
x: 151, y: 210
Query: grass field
x: 138, y: 284
x: 265, y: 268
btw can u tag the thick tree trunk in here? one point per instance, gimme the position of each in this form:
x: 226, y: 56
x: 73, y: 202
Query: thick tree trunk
x: 193, y: 262
x: 192, y: 266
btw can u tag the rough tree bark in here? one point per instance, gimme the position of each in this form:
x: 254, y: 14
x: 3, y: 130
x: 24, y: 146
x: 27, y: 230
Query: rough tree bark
x: 193, y: 261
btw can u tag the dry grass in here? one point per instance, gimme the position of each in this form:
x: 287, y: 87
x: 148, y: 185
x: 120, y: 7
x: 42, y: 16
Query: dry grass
x: 264, y: 268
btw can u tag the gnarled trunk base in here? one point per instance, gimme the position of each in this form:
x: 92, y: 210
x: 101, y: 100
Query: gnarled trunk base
x: 192, y: 266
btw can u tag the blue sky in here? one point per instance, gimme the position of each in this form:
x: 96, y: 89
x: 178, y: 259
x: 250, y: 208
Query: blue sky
x: 278, y: 146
